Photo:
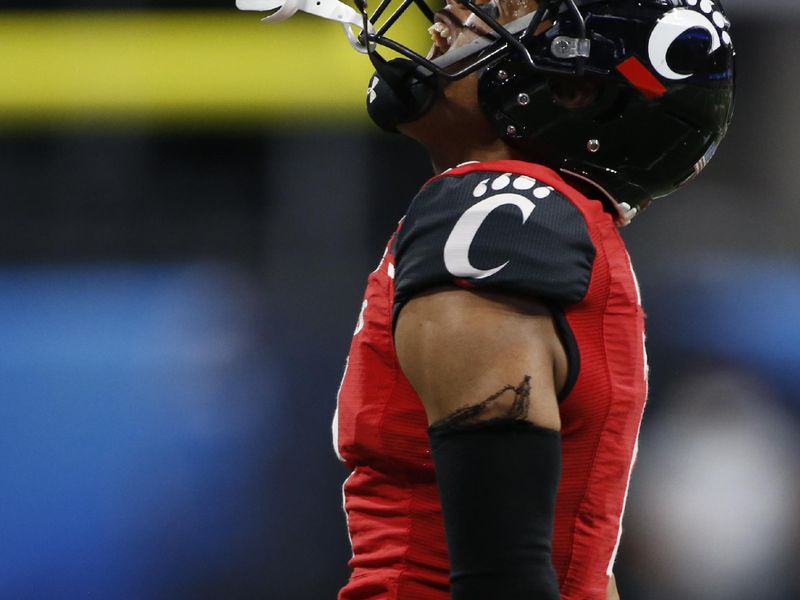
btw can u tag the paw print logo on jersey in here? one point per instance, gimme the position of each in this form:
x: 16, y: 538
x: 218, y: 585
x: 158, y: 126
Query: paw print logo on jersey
x: 520, y: 183
x: 698, y: 14
x: 509, y: 190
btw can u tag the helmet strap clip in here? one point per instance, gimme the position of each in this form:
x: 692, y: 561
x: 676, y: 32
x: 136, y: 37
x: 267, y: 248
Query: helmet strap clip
x: 565, y: 47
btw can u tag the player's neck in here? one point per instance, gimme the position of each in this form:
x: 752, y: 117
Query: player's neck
x: 448, y: 155
x: 455, y: 131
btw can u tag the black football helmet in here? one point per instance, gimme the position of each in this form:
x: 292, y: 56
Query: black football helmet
x: 658, y: 94
x: 630, y: 96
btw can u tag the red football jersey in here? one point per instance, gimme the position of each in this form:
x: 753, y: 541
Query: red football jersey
x: 520, y: 228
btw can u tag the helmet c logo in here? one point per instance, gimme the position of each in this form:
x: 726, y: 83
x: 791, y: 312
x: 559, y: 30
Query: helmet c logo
x: 456, y: 250
x: 674, y: 24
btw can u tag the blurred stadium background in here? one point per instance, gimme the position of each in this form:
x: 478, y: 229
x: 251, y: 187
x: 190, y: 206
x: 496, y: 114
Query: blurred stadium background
x: 189, y: 205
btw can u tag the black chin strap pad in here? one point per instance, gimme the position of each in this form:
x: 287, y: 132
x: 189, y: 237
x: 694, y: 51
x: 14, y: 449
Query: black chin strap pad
x: 497, y: 482
x: 399, y: 92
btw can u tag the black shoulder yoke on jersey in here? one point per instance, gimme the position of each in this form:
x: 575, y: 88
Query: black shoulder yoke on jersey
x: 490, y: 230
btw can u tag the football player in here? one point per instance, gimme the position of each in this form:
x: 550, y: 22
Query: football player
x: 495, y: 385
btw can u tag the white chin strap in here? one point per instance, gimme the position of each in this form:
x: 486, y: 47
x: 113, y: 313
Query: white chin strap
x: 333, y: 10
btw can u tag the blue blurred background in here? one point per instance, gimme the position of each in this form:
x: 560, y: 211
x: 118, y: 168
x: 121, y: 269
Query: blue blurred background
x: 190, y: 203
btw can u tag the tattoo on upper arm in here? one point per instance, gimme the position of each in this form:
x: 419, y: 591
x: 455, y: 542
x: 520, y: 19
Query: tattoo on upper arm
x: 492, y: 408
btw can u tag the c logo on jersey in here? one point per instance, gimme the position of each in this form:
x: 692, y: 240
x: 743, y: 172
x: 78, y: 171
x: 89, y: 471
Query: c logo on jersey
x: 677, y: 22
x: 456, y: 250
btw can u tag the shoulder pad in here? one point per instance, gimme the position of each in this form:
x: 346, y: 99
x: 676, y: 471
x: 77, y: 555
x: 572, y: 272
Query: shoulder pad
x: 497, y: 231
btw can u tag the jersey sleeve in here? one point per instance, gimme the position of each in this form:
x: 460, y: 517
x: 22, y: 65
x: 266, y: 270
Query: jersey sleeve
x: 494, y: 231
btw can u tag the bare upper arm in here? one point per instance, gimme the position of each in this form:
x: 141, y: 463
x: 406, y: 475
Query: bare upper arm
x: 459, y: 348
x: 612, y: 593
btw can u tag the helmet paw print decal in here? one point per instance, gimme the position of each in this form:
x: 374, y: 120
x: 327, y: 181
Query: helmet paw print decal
x: 717, y: 16
x: 698, y: 14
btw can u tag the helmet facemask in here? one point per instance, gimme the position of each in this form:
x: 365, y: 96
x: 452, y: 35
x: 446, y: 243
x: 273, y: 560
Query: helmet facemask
x: 480, y: 32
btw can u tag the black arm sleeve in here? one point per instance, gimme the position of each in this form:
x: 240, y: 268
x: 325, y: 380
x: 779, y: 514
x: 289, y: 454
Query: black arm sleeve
x: 492, y: 230
x: 497, y: 483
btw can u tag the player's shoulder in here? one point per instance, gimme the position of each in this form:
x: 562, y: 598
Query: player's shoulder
x: 541, y: 184
x: 507, y: 225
